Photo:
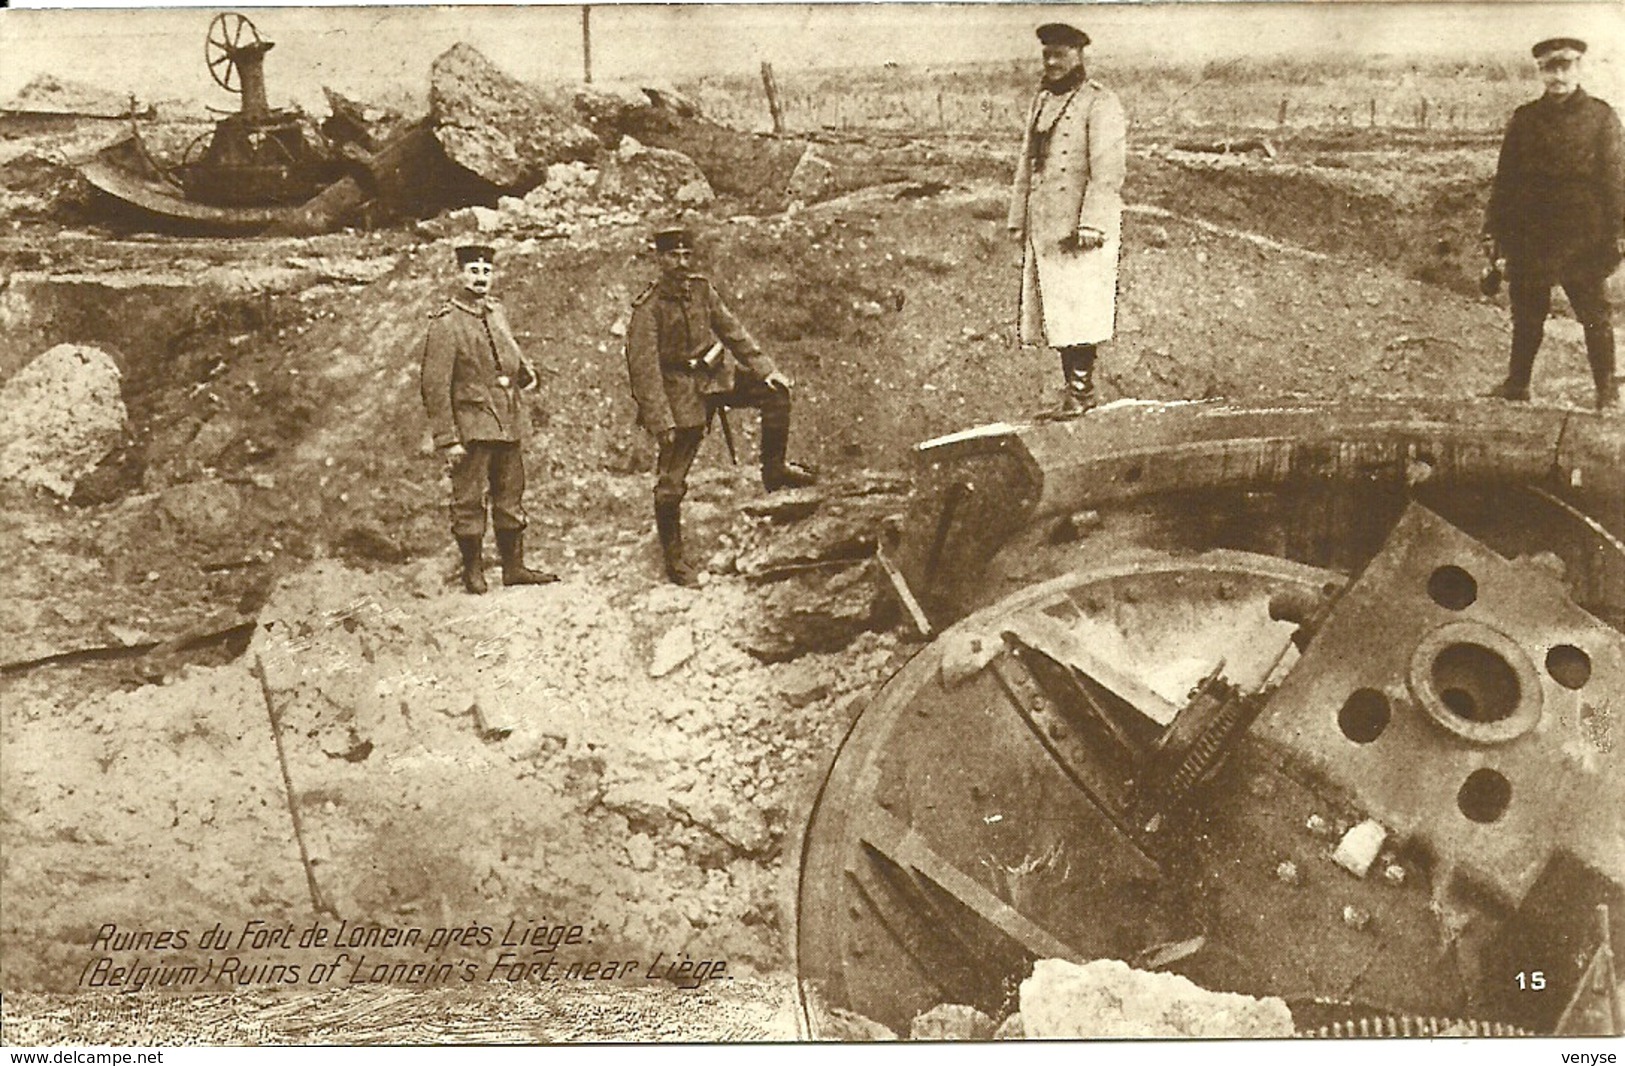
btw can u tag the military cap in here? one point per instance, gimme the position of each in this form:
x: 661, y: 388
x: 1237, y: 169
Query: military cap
x: 475, y: 253
x: 1062, y: 35
x: 673, y: 238
x: 1559, y: 44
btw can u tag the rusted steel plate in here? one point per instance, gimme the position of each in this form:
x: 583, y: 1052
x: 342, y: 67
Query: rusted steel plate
x: 163, y: 198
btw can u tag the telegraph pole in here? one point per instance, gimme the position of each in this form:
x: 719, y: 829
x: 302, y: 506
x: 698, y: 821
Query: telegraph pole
x: 586, y: 43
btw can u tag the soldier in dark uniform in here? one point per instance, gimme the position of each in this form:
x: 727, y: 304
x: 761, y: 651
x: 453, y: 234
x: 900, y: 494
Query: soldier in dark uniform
x: 1557, y: 216
x: 473, y: 372
x: 680, y: 377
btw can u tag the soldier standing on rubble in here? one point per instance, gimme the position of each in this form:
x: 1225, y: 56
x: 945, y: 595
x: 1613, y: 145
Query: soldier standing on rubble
x: 681, y: 377
x: 1557, y: 217
x: 1066, y: 209
x: 473, y: 372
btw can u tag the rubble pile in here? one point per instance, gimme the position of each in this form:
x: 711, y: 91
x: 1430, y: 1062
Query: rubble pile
x: 47, y: 94
x: 592, y: 752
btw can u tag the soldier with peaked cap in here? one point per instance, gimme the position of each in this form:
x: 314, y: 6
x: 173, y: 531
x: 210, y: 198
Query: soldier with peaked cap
x: 678, y: 346
x: 1066, y: 209
x: 1557, y: 216
x: 473, y: 372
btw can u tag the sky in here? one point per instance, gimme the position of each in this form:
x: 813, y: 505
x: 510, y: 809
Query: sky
x: 158, y: 53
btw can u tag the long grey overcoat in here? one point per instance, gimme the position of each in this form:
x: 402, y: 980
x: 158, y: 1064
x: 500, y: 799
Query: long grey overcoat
x: 1070, y: 174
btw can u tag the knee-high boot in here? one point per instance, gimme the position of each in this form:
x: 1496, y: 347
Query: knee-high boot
x: 473, y: 565
x: 777, y: 472
x: 669, y: 523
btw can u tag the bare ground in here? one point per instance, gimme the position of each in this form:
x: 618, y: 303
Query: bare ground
x: 277, y: 471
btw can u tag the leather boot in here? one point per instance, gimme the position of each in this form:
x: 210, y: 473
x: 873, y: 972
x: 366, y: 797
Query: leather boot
x: 1078, y: 372
x: 473, y: 565
x: 511, y: 546
x: 1509, y: 390
x: 1526, y: 337
x: 669, y: 522
x: 777, y: 473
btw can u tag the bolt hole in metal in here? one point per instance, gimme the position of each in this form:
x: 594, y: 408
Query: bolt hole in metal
x: 1475, y: 683
x: 1569, y: 666
x: 1452, y: 588
x: 1364, y: 715
x: 1484, y: 796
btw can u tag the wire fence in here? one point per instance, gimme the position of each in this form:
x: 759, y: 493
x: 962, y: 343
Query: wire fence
x: 995, y: 101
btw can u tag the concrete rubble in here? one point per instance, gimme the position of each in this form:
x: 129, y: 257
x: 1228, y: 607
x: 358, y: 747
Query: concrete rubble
x: 498, y: 127
x: 951, y: 1021
x: 59, y: 416
x: 1106, y: 999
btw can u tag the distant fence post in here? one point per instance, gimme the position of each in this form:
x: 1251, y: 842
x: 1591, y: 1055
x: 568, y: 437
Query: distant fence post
x: 1373, y: 112
x: 772, y: 89
x: 586, y: 43
x: 1280, y: 118
x: 1422, y: 114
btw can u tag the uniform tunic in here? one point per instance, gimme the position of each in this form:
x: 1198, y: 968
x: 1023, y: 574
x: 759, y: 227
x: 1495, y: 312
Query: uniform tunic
x: 471, y: 374
x: 675, y: 322
x: 1073, y: 159
x: 1557, y: 207
x: 472, y: 371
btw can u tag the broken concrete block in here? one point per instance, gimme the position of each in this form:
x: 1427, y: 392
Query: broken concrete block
x: 847, y: 1027
x: 1359, y: 847
x: 812, y: 178
x: 951, y: 1021
x: 640, y: 851
x: 696, y: 193
x: 1107, y: 999
x: 674, y: 648
x: 965, y: 655
x: 491, y: 720
x: 736, y: 822
x: 201, y: 510
x: 801, y: 685
x: 59, y: 416
x: 498, y: 127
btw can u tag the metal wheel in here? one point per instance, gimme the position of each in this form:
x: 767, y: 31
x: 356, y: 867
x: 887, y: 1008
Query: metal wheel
x: 1266, y: 628
x: 228, y: 33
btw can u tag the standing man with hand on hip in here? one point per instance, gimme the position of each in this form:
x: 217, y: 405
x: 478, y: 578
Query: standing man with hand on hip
x: 1066, y: 209
x: 1557, y: 217
x: 473, y: 372
x: 680, y: 376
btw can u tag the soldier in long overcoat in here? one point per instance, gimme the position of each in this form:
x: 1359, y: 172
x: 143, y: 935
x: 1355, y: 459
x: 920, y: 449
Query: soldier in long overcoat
x: 1557, y: 216
x: 472, y: 375
x: 680, y: 347
x: 1066, y: 209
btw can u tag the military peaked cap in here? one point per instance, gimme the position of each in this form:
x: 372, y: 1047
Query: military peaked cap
x: 475, y: 253
x: 669, y: 240
x: 1062, y: 35
x: 1559, y: 44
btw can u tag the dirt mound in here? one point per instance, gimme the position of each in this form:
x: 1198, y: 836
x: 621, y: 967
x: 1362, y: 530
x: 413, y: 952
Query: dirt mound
x: 581, y: 790
x: 46, y: 94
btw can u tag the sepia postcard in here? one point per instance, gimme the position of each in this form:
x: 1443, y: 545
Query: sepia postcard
x: 757, y: 523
